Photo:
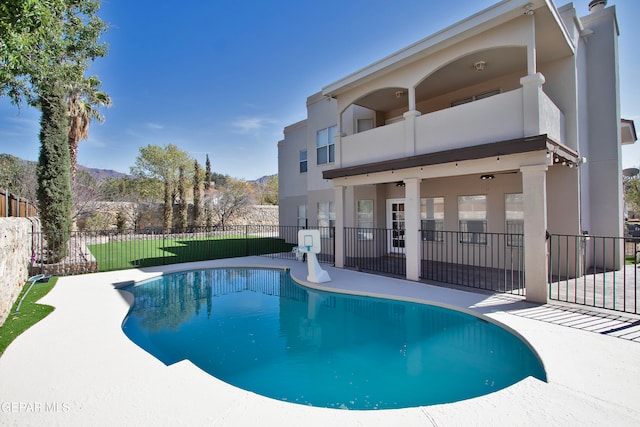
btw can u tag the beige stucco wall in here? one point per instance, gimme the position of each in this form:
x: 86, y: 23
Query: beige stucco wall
x: 15, y: 254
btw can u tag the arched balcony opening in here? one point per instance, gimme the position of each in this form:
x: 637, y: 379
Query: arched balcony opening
x: 376, y: 109
x: 472, y: 77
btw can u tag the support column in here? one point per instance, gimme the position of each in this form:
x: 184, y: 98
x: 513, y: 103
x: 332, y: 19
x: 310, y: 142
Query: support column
x: 410, y: 132
x: 531, y: 94
x: 412, y: 227
x: 534, y: 191
x: 338, y: 205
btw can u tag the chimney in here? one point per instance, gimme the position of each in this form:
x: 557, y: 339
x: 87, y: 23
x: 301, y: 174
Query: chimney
x: 597, y: 5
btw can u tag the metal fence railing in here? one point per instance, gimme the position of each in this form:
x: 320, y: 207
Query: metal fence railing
x: 12, y: 205
x: 595, y: 271
x: 490, y: 261
x: 92, y: 251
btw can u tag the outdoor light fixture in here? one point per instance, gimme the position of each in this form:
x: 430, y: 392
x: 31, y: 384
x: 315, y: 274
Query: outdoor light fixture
x: 488, y: 176
x: 400, y: 184
x: 528, y: 9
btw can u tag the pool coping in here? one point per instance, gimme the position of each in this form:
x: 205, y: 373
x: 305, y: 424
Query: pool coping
x: 69, y: 372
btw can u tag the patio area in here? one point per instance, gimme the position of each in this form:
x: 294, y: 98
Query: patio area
x: 77, y: 367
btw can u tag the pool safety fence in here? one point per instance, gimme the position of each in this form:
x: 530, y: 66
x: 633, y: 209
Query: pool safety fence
x: 93, y: 251
x: 595, y: 271
x: 491, y: 261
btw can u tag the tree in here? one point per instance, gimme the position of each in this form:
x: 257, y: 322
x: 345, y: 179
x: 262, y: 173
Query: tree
x: 86, y: 196
x: 167, y: 207
x: 45, y: 48
x: 82, y: 102
x: 632, y: 193
x: 196, y: 193
x: 219, y: 180
x: 163, y: 164
x: 207, y: 174
x: 230, y: 202
x: 45, y: 42
x: 267, y: 190
x: 135, y: 196
x: 54, y: 184
x: 181, y: 222
x: 18, y: 176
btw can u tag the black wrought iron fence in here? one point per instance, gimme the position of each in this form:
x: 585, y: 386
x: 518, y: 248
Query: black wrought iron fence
x: 595, y: 271
x: 93, y: 251
x: 377, y: 250
x: 491, y: 261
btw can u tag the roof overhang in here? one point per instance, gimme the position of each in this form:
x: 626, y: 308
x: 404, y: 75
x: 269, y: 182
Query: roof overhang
x: 493, y: 149
x: 472, y: 26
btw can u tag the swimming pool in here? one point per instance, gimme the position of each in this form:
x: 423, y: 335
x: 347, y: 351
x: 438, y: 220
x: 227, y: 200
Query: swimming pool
x: 258, y: 330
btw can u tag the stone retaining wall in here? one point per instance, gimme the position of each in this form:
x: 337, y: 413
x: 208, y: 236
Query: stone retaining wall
x: 15, y: 255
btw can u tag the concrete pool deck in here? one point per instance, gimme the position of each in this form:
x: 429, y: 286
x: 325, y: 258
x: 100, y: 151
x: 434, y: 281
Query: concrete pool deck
x: 77, y: 367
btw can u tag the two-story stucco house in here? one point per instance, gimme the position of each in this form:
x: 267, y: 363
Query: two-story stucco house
x: 506, y: 122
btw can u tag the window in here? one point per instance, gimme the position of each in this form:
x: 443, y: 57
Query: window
x: 514, y: 219
x: 326, y: 219
x: 432, y: 218
x: 303, y: 161
x: 364, y: 125
x: 472, y: 218
x: 302, y: 216
x: 324, y: 145
x: 478, y: 97
x: 365, y: 219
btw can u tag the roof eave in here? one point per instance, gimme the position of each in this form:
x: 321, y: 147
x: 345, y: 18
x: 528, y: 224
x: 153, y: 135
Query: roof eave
x: 473, y: 25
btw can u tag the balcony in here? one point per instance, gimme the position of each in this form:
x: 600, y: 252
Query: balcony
x: 497, y: 118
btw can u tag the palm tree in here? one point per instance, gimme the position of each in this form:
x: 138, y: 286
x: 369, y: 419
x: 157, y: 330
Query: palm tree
x: 83, y: 101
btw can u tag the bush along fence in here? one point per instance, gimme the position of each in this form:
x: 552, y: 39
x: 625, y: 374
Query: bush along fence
x: 15, y: 206
x: 95, y: 251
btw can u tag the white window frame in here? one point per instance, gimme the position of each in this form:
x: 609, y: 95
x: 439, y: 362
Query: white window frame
x: 432, y: 218
x: 326, y: 219
x: 304, y: 161
x: 364, y: 124
x: 325, y: 143
x: 477, y: 97
x: 364, y: 219
x: 514, y: 219
x: 472, y: 224
x: 301, y: 216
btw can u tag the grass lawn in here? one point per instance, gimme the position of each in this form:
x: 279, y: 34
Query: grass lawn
x: 153, y: 252
x: 30, y: 313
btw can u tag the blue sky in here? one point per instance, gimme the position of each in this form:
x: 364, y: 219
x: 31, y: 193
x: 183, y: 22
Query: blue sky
x: 224, y: 78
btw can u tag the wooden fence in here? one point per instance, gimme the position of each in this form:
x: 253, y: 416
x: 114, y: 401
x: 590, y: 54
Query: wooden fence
x: 13, y: 205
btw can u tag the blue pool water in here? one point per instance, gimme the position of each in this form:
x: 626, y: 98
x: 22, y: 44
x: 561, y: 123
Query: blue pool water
x: 258, y: 330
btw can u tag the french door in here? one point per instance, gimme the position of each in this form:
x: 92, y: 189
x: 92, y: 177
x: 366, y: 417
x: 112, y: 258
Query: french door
x: 395, y: 223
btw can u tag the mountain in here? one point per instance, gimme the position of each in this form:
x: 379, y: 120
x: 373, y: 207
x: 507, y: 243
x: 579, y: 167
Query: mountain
x: 100, y: 174
x: 262, y: 180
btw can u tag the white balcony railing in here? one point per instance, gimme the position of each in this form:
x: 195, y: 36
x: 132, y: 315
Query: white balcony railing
x: 497, y: 118
x: 381, y: 143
